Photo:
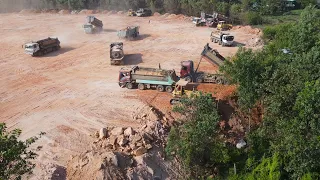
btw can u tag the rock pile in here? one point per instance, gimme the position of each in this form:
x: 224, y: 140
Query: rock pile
x: 130, y: 141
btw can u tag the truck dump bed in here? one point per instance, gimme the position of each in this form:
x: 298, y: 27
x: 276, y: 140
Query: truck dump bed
x: 48, y: 42
x: 153, y: 74
x: 212, y: 56
x: 130, y: 31
x: 94, y: 21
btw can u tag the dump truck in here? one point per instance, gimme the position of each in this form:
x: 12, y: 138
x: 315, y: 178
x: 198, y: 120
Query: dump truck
x: 143, y: 12
x: 147, y: 78
x: 224, y: 39
x: 41, y: 47
x: 116, y: 53
x: 129, y: 32
x: 190, y: 74
x: 92, y: 25
x: 131, y: 12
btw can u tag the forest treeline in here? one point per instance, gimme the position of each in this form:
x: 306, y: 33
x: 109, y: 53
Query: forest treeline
x: 241, y: 9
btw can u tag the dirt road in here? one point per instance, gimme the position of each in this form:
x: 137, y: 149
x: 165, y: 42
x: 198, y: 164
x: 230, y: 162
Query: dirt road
x: 71, y: 93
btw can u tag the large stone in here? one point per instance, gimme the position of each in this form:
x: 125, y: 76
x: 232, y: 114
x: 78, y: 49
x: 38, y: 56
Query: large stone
x: 128, y: 132
x: 151, y: 124
x: 140, y: 151
x: 117, y: 131
x: 148, y: 146
x: 111, y: 158
x: 148, y: 136
x: 113, y: 139
x: 122, y: 140
x: 103, y: 133
x: 136, y: 138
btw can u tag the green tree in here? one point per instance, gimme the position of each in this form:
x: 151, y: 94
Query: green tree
x: 14, y: 156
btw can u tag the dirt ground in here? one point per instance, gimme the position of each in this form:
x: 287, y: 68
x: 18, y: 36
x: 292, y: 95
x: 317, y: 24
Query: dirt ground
x: 71, y: 93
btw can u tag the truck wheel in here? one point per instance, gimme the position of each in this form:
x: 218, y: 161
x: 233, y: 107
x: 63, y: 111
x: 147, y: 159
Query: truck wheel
x: 160, y: 88
x: 199, y: 80
x: 219, y: 42
x: 219, y: 81
x: 141, y: 86
x: 188, y: 78
x: 129, y: 85
x: 169, y: 89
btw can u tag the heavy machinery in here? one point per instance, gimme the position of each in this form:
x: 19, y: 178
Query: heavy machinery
x: 222, y: 25
x: 41, y: 47
x: 224, y: 39
x: 129, y: 32
x: 131, y: 12
x: 147, y: 78
x: 188, y: 73
x: 180, y: 91
x: 116, y: 53
x: 92, y: 25
x: 143, y: 12
x: 199, y: 21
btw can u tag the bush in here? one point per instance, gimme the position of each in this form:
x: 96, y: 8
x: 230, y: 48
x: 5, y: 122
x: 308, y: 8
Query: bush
x: 252, y: 18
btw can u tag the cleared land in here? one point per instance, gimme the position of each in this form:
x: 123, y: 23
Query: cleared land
x: 71, y: 93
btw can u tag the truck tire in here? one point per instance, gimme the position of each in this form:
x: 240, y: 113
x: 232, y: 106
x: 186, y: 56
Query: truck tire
x: 141, y: 86
x: 219, y: 81
x: 188, y: 78
x: 129, y: 85
x: 116, y: 54
x: 199, y: 80
x: 169, y: 89
x: 160, y: 88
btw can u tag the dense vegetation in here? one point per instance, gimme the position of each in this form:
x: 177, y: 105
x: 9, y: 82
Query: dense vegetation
x: 14, y: 156
x: 285, y: 84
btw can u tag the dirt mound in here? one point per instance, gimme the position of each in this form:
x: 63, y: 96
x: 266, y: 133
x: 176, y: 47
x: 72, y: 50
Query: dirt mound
x: 64, y: 12
x: 111, y: 12
x: 247, y: 29
x: 165, y: 15
x: 97, y: 11
x: 171, y: 16
x: 86, y: 11
x: 27, y: 11
x: 120, y: 12
x: 255, y: 42
x: 156, y: 14
x: 104, y: 12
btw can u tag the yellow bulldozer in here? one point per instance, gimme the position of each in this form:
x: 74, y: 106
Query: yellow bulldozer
x: 222, y: 25
x: 180, y: 91
x: 131, y: 12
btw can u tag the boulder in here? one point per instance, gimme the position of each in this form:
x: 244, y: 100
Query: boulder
x: 111, y: 158
x: 122, y: 140
x: 128, y: 132
x: 148, y: 146
x: 103, y: 133
x: 148, y: 136
x: 136, y: 138
x: 113, y: 140
x: 117, y: 131
x: 140, y: 151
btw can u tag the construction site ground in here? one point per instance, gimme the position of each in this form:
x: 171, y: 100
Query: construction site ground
x: 72, y: 93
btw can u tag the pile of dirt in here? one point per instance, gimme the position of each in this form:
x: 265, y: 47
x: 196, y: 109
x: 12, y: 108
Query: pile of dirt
x: 247, y: 29
x: 165, y: 15
x: 171, y: 16
x: 120, y: 12
x: 27, y: 11
x: 74, y: 12
x: 64, y: 11
x: 53, y: 11
x: 111, y: 12
x: 97, y: 11
x: 255, y: 42
x: 156, y: 14
x: 86, y: 11
x: 104, y: 12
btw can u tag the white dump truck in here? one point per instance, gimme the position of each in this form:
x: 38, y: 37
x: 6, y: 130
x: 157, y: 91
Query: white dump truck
x: 41, y: 47
x: 224, y: 39
x: 92, y: 25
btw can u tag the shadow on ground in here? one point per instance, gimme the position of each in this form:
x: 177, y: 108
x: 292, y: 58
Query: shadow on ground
x: 60, y: 51
x: 133, y: 59
x: 59, y: 174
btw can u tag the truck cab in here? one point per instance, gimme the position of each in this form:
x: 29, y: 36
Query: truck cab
x: 187, y: 70
x: 124, y: 76
x: 227, y: 40
x: 88, y: 28
x: 31, y: 48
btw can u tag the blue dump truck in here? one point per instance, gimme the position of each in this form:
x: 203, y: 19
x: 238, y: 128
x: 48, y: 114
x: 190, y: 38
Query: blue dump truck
x: 147, y: 78
x: 129, y: 32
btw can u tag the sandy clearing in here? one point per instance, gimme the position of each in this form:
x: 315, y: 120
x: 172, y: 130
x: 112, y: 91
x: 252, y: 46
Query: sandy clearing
x: 71, y: 93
